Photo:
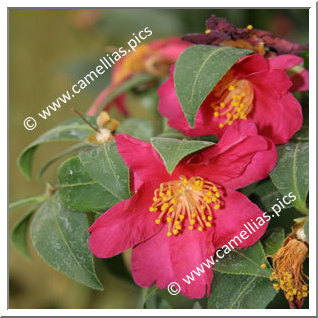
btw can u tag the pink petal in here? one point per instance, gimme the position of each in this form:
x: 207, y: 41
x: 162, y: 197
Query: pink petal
x: 240, y: 158
x: 277, y: 113
x: 163, y: 260
x: 250, y: 64
x: 170, y: 48
x: 124, y: 225
x: 300, y: 82
x: 141, y: 157
x: 284, y: 62
x: 231, y: 220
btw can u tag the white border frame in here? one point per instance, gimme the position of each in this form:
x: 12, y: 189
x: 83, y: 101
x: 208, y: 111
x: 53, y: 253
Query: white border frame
x: 312, y: 164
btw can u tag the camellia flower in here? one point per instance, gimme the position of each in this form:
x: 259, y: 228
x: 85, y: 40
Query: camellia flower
x: 288, y: 267
x: 174, y: 222
x: 153, y: 58
x: 220, y: 32
x: 252, y: 89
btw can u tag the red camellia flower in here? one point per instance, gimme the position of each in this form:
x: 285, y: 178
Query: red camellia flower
x: 254, y: 88
x: 153, y: 58
x: 174, y: 222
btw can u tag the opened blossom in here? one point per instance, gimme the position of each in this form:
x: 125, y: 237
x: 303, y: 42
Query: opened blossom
x: 152, y: 58
x: 255, y: 89
x: 175, y: 221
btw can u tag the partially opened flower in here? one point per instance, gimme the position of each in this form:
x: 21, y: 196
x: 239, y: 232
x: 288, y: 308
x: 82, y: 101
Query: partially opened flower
x: 174, y: 222
x: 153, y: 58
x: 252, y: 89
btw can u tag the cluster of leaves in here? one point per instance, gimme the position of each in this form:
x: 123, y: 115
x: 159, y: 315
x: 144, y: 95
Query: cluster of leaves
x: 96, y: 178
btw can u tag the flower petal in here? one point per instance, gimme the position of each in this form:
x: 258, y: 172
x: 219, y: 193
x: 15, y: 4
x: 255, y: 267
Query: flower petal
x: 170, y: 48
x: 250, y: 64
x: 240, y: 158
x: 230, y: 221
x: 124, y: 225
x: 278, y: 114
x: 142, y: 158
x: 163, y: 260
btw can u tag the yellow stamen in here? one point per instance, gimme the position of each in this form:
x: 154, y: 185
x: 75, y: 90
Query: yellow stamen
x: 185, y: 204
x: 232, y: 99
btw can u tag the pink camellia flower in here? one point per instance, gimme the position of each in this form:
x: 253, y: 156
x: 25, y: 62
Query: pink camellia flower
x: 174, y: 222
x: 153, y: 58
x: 252, y: 89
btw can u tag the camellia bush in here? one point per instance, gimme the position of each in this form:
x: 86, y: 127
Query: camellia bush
x: 214, y: 204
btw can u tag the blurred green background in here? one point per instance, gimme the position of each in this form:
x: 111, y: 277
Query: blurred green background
x: 49, y: 50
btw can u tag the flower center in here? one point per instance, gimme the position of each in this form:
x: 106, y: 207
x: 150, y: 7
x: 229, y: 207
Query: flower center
x: 232, y: 99
x: 186, y: 203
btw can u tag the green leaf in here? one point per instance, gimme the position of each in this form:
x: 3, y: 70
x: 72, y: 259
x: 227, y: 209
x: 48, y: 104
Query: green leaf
x: 274, y: 240
x: 266, y: 196
x: 18, y: 203
x: 72, y: 130
x: 105, y: 165
x: 291, y: 173
x: 136, y: 127
x: 245, y: 261
x: 127, y: 85
x: 240, y: 292
x: 20, y: 233
x: 60, y: 238
x: 176, y: 134
x: 173, y: 150
x: 198, y: 69
x: 66, y: 152
x: 78, y: 191
x: 152, y: 300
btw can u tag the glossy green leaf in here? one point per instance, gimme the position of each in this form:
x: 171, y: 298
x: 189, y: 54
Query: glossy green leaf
x: 18, y: 203
x: 60, y: 237
x: 245, y: 261
x: 273, y: 240
x: 291, y: 173
x: 20, y: 234
x: 75, y: 148
x: 172, y: 151
x: 198, y: 69
x: 240, y: 292
x: 266, y: 196
x: 136, y: 127
x: 106, y: 166
x: 176, y: 134
x: 72, y: 130
x: 78, y: 191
